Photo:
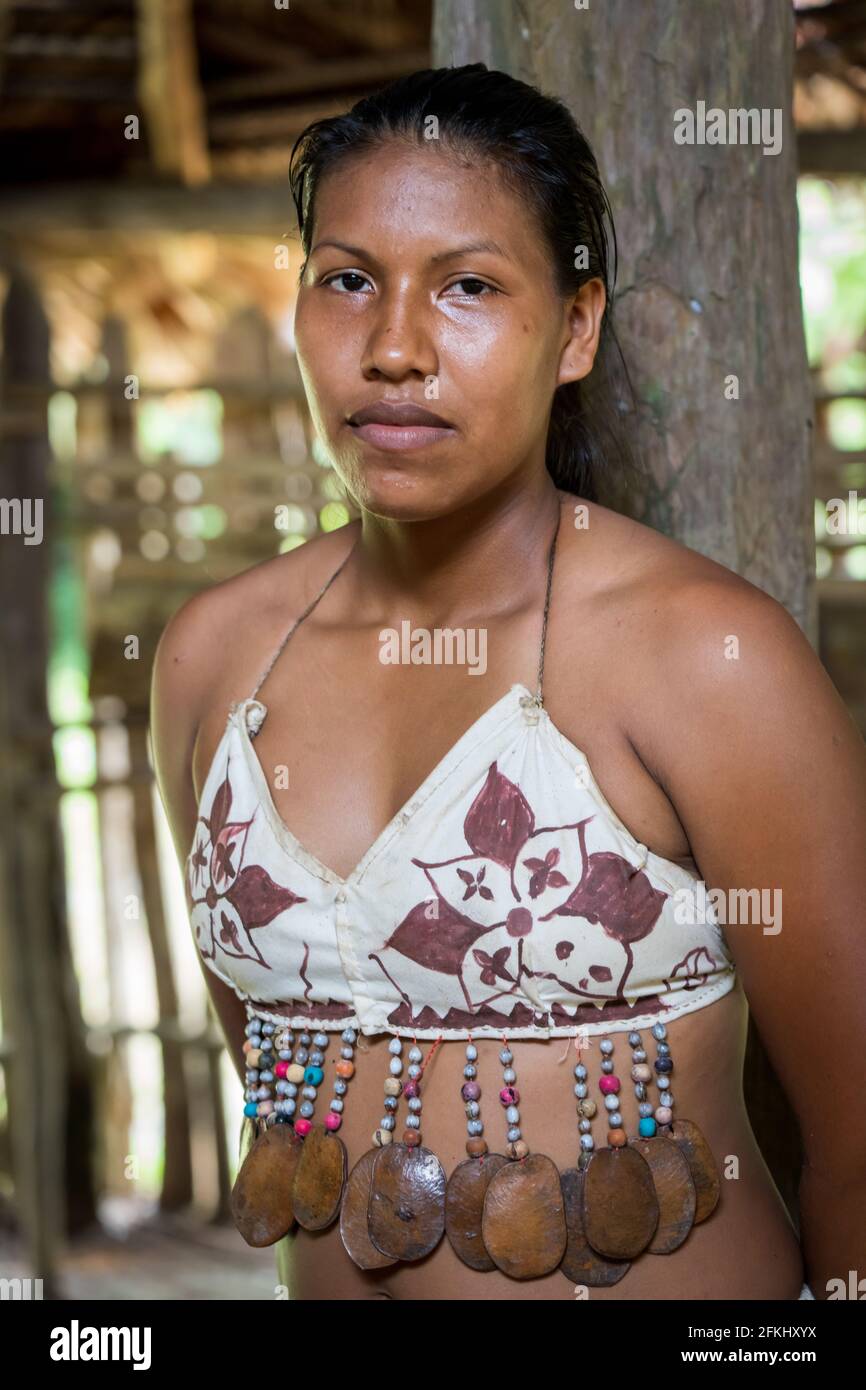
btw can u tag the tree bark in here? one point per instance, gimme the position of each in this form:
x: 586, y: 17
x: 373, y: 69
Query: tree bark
x: 708, y: 287
x: 708, y: 281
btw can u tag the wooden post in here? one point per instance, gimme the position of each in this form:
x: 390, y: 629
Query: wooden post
x: 177, y: 1174
x: 707, y: 308
x: 47, y: 1070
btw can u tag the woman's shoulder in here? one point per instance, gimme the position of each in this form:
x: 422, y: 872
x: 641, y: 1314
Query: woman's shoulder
x: 684, y: 627
x: 652, y: 578
x: 236, y: 622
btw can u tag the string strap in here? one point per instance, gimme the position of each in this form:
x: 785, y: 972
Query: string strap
x: 550, y: 560
x: 296, y: 624
x: 328, y: 582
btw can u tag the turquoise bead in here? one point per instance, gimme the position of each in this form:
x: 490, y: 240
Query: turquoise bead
x: 252, y: 1110
x: 647, y: 1127
x: 313, y: 1076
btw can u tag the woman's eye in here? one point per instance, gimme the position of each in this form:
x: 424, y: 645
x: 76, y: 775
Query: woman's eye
x: 347, y: 275
x: 475, y: 288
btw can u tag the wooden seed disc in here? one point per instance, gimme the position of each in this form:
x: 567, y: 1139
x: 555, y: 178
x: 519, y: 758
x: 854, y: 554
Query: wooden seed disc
x: 406, y: 1211
x: 262, y: 1195
x: 581, y: 1264
x: 705, y: 1174
x: 620, y: 1207
x: 675, y: 1191
x: 523, y: 1220
x: 464, y: 1204
x: 353, y: 1216
x: 320, y: 1178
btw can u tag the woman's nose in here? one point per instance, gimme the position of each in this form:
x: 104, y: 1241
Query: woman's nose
x: 400, y: 338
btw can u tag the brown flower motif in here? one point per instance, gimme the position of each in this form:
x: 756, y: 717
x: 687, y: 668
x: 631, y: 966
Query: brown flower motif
x: 237, y: 897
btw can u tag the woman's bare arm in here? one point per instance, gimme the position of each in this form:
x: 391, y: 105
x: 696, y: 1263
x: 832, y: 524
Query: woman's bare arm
x: 767, y: 771
x: 179, y: 687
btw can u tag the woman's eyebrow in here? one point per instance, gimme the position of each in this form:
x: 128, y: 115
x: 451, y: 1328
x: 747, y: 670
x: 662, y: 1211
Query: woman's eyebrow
x: 470, y: 248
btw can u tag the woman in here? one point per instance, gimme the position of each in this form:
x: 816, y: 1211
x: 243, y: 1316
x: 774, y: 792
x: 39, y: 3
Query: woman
x: 413, y: 855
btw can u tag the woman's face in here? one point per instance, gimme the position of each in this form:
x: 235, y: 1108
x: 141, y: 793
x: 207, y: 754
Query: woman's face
x: 429, y: 284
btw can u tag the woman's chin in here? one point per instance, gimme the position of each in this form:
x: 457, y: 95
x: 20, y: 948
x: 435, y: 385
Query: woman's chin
x: 398, y: 495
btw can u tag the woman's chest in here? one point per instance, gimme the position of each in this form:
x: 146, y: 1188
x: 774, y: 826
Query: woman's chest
x: 502, y: 894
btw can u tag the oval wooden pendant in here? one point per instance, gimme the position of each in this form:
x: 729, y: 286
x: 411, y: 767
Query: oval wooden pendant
x: 620, y: 1207
x: 320, y: 1178
x: 262, y: 1195
x: 523, y: 1220
x: 406, y: 1211
x: 353, y: 1217
x: 702, y: 1165
x: 675, y: 1191
x: 581, y: 1264
x: 464, y: 1204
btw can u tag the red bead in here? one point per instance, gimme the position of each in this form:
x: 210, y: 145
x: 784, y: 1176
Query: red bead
x: 302, y: 1127
x: 609, y: 1085
x: 509, y: 1095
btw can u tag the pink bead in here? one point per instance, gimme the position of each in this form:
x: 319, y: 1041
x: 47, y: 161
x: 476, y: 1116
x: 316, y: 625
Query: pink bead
x: 609, y: 1085
x: 509, y: 1095
x: 470, y: 1090
x: 410, y: 1089
x: 333, y: 1120
x: 281, y: 1068
x: 664, y: 1115
x: 265, y: 1107
x: 302, y: 1127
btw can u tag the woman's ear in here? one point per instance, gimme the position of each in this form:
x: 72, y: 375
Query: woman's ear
x: 583, y: 328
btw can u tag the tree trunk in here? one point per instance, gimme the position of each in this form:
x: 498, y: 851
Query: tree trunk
x: 708, y: 290
x: 708, y: 277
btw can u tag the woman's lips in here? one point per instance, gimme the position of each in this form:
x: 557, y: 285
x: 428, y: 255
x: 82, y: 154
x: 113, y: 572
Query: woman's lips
x: 401, y: 436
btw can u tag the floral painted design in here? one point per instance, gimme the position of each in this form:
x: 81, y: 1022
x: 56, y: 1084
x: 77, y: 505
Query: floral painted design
x: 528, y: 927
x: 486, y: 909
x: 228, y: 898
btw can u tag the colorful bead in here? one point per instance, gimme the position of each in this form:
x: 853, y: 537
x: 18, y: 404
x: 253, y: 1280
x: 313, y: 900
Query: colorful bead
x: 609, y: 1085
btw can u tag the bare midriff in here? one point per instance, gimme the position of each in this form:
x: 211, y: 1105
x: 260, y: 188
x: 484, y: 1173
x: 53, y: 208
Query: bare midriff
x: 746, y: 1249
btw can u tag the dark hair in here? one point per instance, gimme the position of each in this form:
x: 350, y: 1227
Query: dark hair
x: 538, y: 147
